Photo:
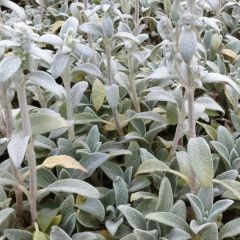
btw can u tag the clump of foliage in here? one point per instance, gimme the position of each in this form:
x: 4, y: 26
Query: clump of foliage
x: 119, y: 119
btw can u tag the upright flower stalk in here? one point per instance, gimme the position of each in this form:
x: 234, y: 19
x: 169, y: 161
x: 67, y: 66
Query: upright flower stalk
x: 30, y: 154
x: 67, y: 77
x: 187, y: 46
x: 108, y: 31
x: 136, y: 17
x: 108, y: 44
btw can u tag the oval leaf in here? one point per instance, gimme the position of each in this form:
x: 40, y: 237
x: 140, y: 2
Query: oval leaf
x: 63, y: 161
x: 201, y: 160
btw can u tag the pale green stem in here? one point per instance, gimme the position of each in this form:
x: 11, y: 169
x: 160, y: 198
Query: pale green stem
x: 108, y: 44
x: 67, y: 84
x: 176, y: 139
x: 9, y: 129
x: 118, y: 122
x: 132, y: 81
x: 190, y: 96
x: 191, y: 118
x: 136, y: 17
x: 30, y: 154
x: 18, y: 192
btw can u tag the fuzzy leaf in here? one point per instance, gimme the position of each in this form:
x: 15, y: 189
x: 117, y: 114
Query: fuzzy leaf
x: 53, y: 122
x: 86, y: 118
x: 126, y: 35
x: 63, y: 161
x: 197, y: 206
x: 51, y: 39
x: 91, y: 28
x: 162, y: 96
x: 91, y: 162
x: 210, y: 233
x: 187, y: 44
x: 134, y: 217
x: 73, y: 186
x: 59, y: 64
x: 70, y: 24
x: 169, y: 219
x: 45, y: 217
x: 17, y: 234
x: 46, y: 81
x: 219, y: 78
x: 98, y: 94
x: 112, y: 95
x: 77, y: 92
x: 17, y: 148
x: 230, y: 229
x: 5, y: 213
x: 225, y: 137
x: 210, y: 104
x: 58, y: 234
x: 108, y: 29
x: 218, y: 208
x: 8, y: 67
x: 151, y: 166
x: 94, y: 207
x: 121, y: 191
x: 222, y: 151
x: 13, y: 6
x: 88, y: 68
x: 201, y: 160
x: 165, y: 196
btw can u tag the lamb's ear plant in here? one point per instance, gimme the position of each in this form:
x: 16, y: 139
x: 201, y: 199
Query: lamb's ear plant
x: 119, y: 119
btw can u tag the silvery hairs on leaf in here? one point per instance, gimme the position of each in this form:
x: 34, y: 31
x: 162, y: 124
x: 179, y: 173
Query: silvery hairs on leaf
x: 187, y: 44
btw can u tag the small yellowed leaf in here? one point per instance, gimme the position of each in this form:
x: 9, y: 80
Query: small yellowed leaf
x: 80, y: 200
x: 112, y: 127
x: 55, y: 222
x: 63, y: 161
x: 56, y: 26
x: 98, y: 94
x: 229, y: 55
x: 79, y: 76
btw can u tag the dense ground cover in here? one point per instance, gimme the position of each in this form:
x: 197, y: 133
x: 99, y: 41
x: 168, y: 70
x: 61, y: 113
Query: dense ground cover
x: 119, y: 119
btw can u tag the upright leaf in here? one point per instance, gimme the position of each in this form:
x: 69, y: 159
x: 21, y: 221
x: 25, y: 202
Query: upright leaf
x: 134, y: 217
x: 121, y: 191
x: 5, y: 213
x: 165, y: 196
x: 8, y: 67
x: 17, y: 148
x: 98, y: 94
x: 199, y: 155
